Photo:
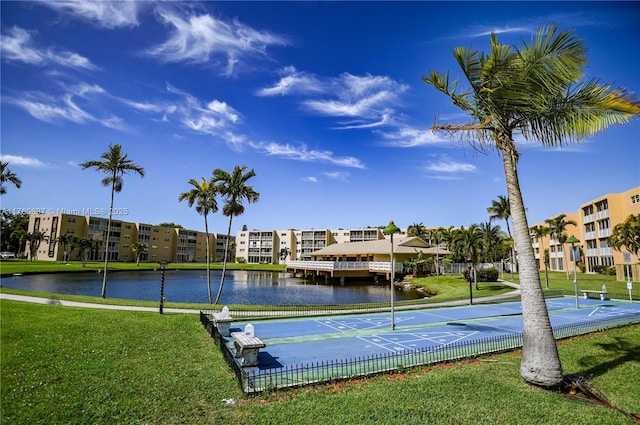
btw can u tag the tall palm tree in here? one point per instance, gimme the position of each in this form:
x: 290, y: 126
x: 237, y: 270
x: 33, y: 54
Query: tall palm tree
x: 138, y: 248
x: 34, y: 240
x: 65, y: 241
x: 235, y: 190
x: 627, y: 234
x: 8, y: 176
x: 492, y: 237
x: 500, y: 209
x: 557, y: 227
x: 539, y: 232
x: 534, y: 90
x: 419, y: 230
x: 115, y: 165
x: 84, y: 247
x: 203, y: 195
x: 436, y: 236
x: 470, y: 241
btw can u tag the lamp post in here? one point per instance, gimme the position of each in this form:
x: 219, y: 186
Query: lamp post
x: 390, y: 230
x: 574, y: 254
x: 163, y: 269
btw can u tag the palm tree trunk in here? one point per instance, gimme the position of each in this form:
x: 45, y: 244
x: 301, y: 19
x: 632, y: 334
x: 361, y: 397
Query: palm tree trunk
x: 224, y: 261
x: 206, y: 230
x: 540, y: 360
x: 106, y: 248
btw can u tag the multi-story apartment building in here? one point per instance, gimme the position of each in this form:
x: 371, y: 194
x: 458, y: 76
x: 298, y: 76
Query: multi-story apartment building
x: 595, y: 221
x: 164, y: 243
x: 276, y: 246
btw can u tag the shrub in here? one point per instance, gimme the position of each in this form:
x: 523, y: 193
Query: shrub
x: 600, y: 269
x: 484, y: 275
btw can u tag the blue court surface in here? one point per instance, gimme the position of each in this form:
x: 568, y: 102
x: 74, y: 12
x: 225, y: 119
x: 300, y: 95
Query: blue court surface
x: 298, y: 341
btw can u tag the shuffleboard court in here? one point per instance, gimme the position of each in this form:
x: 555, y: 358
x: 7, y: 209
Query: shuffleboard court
x: 299, y: 341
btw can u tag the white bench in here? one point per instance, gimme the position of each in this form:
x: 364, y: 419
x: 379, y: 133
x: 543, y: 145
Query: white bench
x: 603, y: 294
x: 223, y: 321
x: 247, y: 348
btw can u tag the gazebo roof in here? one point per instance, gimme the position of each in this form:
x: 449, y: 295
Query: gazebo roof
x: 410, y: 245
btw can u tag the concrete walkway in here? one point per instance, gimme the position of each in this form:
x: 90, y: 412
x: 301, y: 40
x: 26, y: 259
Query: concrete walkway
x: 39, y: 300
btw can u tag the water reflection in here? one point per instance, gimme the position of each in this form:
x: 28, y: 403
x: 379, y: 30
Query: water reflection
x: 240, y: 287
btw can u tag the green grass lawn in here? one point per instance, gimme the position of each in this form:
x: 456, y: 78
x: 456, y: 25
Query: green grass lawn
x: 63, y: 365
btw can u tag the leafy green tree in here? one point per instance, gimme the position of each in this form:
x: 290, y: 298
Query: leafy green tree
x: 138, y: 249
x: 115, y: 165
x: 13, y: 230
x: 8, y: 176
x: 627, y: 234
x: 536, y: 91
x: 235, y: 190
x: 203, y: 196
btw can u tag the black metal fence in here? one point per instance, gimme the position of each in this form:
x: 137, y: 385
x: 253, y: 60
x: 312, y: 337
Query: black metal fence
x: 256, y: 381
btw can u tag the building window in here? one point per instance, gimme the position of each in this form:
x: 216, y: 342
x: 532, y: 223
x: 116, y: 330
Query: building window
x: 635, y: 199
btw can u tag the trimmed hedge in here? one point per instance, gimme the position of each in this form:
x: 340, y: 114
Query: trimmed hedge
x: 484, y: 275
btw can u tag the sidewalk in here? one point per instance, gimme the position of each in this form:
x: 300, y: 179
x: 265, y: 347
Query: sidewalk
x: 39, y: 300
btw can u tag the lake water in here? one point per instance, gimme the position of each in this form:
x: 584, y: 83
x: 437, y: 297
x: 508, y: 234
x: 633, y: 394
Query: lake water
x: 190, y: 286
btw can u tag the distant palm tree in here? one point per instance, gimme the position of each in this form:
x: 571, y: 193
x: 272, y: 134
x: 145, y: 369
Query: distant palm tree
x: 284, y: 253
x: 34, y: 239
x: 627, y: 234
x: 540, y: 232
x: 138, y: 248
x: 115, y: 165
x: 492, y: 237
x: 203, y: 195
x: 534, y: 91
x: 500, y: 209
x: 419, y: 230
x: 84, y: 246
x: 470, y: 241
x: 234, y: 188
x: 557, y: 227
x: 7, y: 176
x: 436, y: 236
x: 65, y: 241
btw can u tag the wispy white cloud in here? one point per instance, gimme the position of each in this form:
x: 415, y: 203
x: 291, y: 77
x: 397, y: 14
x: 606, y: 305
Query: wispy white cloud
x: 302, y: 153
x: 483, y: 32
x: 337, y: 175
x: 104, y: 13
x: 294, y: 82
x: 409, y: 137
x: 203, y: 38
x: 444, y: 168
x: 18, y: 46
x: 368, y: 99
x: 213, y: 117
x: 446, y: 165
x: 24, y: 161
x: 72, y: 105
x: 310, y: 179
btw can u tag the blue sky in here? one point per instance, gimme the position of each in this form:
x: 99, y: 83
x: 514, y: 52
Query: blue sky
x: 324, y: 100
